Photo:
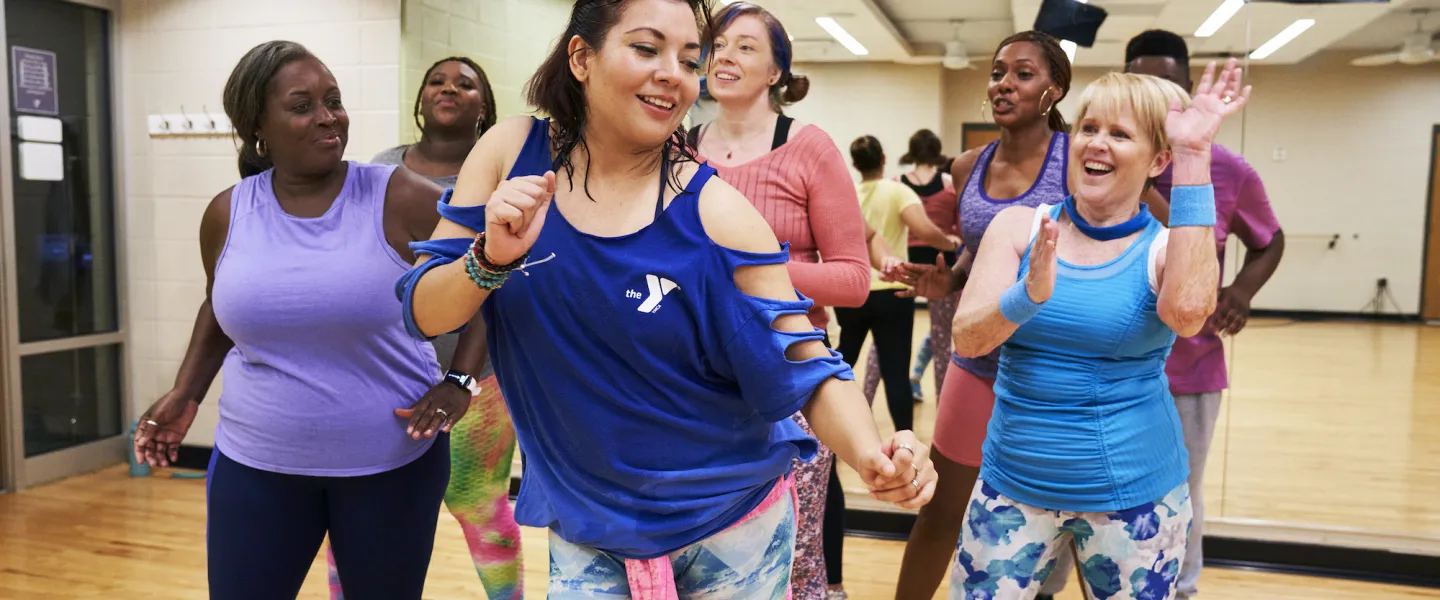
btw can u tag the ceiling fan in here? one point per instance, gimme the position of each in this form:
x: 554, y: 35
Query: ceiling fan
x: 1417, y: 49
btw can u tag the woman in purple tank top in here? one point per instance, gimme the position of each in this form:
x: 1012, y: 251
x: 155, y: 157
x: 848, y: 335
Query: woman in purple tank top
x: 333, y: 419
x: 1029, y: 76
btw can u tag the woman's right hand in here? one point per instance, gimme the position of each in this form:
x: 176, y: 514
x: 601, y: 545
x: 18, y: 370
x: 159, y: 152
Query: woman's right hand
x: 1040, y: 281
x: 162, y: 428
x: 514, y: 216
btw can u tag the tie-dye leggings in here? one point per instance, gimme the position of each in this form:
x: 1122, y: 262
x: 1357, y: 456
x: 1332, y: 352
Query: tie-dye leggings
x: 482, y: 446
x: 1008, y: 548
x: 750, y: 560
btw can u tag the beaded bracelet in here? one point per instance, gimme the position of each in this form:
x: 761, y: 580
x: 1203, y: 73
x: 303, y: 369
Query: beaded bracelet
x: 484, y: 273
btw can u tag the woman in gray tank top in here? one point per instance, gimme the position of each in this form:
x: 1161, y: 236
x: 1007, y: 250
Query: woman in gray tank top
x: 453, y: 108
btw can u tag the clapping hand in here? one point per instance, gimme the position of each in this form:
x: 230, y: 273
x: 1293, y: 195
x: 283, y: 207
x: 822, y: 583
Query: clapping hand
x: 1040, y: 281
x: 930, y: 281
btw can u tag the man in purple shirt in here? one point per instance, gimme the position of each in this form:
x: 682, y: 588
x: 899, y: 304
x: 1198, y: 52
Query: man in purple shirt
x: 1197, y: 364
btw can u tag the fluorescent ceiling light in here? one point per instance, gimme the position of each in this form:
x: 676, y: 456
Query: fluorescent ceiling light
x: 1218, y: 18
x: 1282, y: 38
x: 842, y: 36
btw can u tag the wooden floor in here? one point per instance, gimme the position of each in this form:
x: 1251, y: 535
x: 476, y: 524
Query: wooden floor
x: 107, y: 535
x: 1328, y: 424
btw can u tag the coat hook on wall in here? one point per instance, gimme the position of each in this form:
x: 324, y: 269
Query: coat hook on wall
x: 185, y: 124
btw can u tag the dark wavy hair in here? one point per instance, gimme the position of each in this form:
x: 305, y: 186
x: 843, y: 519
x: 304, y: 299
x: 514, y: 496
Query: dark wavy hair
x: 924, y: 150
x: 554, y: 90
x: 245, y: 94
x: 789, y: 88
x: 1056, y: 63
x: 487, y: 120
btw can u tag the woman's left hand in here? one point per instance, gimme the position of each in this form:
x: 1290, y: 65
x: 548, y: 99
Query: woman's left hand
x: 438, y: 410
x: 1194, y: 128
x: 902, y: 473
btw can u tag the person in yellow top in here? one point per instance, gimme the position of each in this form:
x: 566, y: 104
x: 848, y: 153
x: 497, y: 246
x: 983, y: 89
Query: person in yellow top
x: 892, y: 210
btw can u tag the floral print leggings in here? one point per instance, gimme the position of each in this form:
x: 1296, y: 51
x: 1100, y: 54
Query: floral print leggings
x: 812, y: 479
x: 1008, y: 549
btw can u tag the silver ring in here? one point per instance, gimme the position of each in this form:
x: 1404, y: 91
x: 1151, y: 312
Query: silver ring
x: 915, y: 482
x: 905, y: 447
x: 151, y: 422
x: 1228, y: 99
x: 442, y: 411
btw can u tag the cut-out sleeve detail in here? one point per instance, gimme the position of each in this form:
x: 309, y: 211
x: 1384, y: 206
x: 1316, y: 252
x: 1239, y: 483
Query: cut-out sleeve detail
x: 472, y: 217
x: 754, y: 354
x: 441, y: 252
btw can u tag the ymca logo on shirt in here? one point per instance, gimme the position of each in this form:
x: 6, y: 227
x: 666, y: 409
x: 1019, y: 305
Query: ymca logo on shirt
x: 658, y: 287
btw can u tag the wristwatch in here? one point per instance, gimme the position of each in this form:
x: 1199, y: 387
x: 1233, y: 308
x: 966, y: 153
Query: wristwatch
x: 464, y: 381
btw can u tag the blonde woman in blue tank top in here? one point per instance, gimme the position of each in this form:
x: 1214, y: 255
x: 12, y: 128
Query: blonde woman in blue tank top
x: 1084, y: 300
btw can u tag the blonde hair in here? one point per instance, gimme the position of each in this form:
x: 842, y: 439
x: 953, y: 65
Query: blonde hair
x: 1146, y: 97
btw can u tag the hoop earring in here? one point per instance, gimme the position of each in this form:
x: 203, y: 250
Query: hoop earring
x: 1046, y: 112
x: 984, y: 106
x: 261, y: 148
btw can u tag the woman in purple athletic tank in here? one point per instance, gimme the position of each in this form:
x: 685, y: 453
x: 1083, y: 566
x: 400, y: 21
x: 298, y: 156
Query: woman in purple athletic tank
x: 333, y: 418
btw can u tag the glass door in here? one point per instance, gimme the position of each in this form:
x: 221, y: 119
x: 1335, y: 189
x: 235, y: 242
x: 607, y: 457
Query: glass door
x: 64, y: 350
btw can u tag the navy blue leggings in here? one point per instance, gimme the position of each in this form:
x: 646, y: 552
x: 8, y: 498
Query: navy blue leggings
x: 264, y: 529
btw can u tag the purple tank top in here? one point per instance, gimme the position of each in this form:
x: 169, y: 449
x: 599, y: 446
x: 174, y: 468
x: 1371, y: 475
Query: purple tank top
x: 321, y: 356
x: 978, y: 209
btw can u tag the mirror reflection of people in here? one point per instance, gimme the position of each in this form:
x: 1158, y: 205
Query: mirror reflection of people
x: 936, y: 190
x: 796, y: 177
x: 1085, y: 299
x: 643, y: 326
x: 333, y: 419
x: 1196, y: 366
x: 454, y: 106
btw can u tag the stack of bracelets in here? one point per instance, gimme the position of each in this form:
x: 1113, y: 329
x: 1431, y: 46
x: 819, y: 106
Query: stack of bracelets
x: 484, y: 273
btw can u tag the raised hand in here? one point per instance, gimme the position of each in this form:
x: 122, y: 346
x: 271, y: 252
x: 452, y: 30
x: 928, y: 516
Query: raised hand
x: 515, y: 214
x: 1214, y: 100
x: 1040, y: 281
x: 901, y: 473
x: 162, y: 428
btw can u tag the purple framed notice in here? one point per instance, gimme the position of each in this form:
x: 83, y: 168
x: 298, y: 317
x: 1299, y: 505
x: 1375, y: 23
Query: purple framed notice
x: 33, y: 79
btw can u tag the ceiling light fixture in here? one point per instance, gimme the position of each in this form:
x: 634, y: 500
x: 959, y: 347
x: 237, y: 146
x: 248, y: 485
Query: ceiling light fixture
x: 1217, y: 19
x: 1282, y: 38
x: 842, y: 36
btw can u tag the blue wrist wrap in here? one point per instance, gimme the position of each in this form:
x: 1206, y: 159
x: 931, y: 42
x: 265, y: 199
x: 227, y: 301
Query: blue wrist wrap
x: 1192, y: 206
x: 1016, y: 305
